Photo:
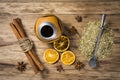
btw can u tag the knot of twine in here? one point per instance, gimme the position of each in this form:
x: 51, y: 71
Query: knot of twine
x: 26, y: 44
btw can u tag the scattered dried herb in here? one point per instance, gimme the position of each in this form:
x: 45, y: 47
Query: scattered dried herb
x: 78, y: 18
x: 59, y: 68
x: 79, y: 65
x: 89, y: 37
x: 21, y: 66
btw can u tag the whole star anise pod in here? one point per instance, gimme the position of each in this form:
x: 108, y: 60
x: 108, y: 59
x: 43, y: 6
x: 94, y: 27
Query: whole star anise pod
x: 59, y: 68
x: 79, y: 65
x: 21, y: 66
x: 78, y: 18
x: 72, y: 31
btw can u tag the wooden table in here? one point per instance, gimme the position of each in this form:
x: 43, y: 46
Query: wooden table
x: 66, y: 10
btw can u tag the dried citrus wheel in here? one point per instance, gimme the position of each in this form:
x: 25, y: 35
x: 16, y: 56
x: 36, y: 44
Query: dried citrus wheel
x: 67, y: 57
x: 62, y: 44
x: 51, y: 55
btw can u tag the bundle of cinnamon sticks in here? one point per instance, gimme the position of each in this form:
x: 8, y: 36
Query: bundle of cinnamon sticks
x: 17, y: 28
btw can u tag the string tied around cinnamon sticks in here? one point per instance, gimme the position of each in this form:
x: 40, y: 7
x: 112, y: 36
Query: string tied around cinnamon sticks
x: 26, y: 44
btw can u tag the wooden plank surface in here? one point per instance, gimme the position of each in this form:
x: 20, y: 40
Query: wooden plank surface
x: 10, y: 52
x: 111, y: 7
x: 27, y: 1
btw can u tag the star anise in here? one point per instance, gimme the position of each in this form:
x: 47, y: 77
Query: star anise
x: 78, y: 18
x: 21, y: 66
x: 79, y: 65
x: 72, y: 30
x: 59, y: 68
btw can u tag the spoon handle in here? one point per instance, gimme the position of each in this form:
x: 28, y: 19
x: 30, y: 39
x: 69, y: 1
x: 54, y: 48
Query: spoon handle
x: 100, y: 33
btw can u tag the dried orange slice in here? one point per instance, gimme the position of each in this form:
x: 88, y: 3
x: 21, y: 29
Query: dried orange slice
x: 62, y: 44
x: 51, y: 55
x: 67, y: 57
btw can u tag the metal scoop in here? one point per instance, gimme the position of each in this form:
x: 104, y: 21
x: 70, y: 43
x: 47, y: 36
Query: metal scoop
x: 93, y: 60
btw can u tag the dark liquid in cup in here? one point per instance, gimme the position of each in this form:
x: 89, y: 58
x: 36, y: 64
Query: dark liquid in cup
x: 47, y: 31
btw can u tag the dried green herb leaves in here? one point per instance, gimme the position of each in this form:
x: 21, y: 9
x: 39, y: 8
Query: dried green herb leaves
x: 89, y: 38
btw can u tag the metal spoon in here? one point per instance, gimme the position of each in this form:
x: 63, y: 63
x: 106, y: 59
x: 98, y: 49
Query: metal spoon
x: 93, y: 60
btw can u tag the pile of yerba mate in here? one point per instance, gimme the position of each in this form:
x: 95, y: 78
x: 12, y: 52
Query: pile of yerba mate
x: 89, y: 38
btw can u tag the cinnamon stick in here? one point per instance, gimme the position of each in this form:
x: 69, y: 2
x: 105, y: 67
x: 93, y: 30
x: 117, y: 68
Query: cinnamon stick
x: 36, y: 61
x: 19, y: 32
x: 28, y: 56
x: 18, y: 24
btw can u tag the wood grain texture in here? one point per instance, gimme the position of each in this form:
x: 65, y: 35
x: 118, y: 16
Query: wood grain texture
x: 34, y: 1
x: 61, y: 8
x: 10, y: 52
